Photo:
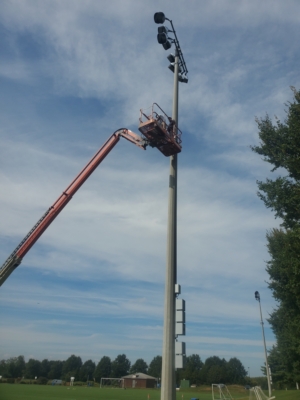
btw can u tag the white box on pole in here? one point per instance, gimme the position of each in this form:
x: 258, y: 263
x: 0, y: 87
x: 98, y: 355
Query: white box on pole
x: 179, y: 328
x: 179, y: 347
x: 180, y: 316
x: 180, y: 304
x: 179, y: 361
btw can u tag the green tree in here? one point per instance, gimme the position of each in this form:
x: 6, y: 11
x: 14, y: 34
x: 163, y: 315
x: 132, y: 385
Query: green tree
x: 120, y: 366
x: 45, y: 367
x: 214, y: 371
x: 191, y: 370
x: 3, y: 368
x: 284, y: 271
x: 15, y: 367
x: 280, y: 146
x: 279, y: 373
x: 216, y: 374
x: 286, y: 325
x: 236, y: 372
x: 155, y: 367
x: 33, y: 369
x: 71, y: 367
x: 87, y: 371
x: 103, y: 369
x: 56, y: 368
x: 139, y: 366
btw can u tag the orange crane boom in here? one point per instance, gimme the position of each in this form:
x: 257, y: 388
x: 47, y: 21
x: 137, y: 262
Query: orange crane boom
x: 14, y: 260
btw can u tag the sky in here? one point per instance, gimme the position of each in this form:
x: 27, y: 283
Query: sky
x: 73, y: 72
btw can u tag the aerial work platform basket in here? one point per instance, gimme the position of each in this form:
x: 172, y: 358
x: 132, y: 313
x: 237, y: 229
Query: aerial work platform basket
x: 160, y: 130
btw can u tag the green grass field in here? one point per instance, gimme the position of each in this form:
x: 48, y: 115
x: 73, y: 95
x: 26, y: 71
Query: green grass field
x: 41, y: 392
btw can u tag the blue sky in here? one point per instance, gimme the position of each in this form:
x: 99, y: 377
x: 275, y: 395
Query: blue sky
x: 73, y: 72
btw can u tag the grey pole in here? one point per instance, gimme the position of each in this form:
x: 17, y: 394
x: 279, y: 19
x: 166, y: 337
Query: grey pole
x: 168, y: 384
x: 266, y: 356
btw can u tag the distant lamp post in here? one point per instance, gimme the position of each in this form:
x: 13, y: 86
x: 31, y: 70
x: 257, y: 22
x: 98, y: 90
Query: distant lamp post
x: 166, y: 37
x: 257, y: 297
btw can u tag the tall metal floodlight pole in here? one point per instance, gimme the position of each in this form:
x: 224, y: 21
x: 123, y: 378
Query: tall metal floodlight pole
x: 257, y: 297
x: 178, y: 66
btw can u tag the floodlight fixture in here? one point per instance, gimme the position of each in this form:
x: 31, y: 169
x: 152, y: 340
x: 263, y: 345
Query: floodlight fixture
x: 162, y: 38
x: 167, y: 45
x: 257, y: 296
x: 159, y: 18
x: 171, y: 58
x: 166, y: 41
x: 163, y: 29
x: 182, y: 78
x: 172, y: 67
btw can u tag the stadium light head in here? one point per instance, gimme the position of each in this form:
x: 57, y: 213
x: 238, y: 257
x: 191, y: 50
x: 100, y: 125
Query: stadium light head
x: 162, y: 38
x: 167, y: 45
x: 163, y: 29
x: 171, y: 58
x: 166, y: 41
x: 162, y: 35
x: 257, y: 296
x: 183, y: 78
x: 159, y: 18
x: 172, y: 67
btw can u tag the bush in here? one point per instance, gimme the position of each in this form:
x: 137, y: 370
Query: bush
x: 42, y: 380
x: 78, y: 383
x: 10, y: 380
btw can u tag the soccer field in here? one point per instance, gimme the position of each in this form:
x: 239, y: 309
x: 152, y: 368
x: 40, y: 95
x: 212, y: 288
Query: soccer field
x: 40, y: 392
x: 47, y: 392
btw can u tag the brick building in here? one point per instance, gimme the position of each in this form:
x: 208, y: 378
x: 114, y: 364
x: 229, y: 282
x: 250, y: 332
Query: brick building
x: 140, y: 381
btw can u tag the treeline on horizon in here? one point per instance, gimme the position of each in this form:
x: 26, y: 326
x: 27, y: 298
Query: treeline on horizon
x: 213, y: 370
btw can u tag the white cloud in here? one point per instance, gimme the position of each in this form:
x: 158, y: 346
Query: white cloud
x: 241, y: 58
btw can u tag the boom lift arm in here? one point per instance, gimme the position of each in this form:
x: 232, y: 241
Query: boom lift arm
x: 15, y: 259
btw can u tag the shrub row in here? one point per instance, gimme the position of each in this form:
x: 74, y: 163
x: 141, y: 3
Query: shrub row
x: 40, y: 381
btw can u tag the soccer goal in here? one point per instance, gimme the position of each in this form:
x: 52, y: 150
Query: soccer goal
x: 220, y: 392
x: 113, y: 383
x: 256, y: 393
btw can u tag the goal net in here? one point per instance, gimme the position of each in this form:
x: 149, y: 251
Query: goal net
x: 256, y: 393
x: 220, y: 392
x: 114, y: 383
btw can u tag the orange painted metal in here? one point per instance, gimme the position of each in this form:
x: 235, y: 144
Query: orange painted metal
x: 67, y: 194
x: 160, y: 131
